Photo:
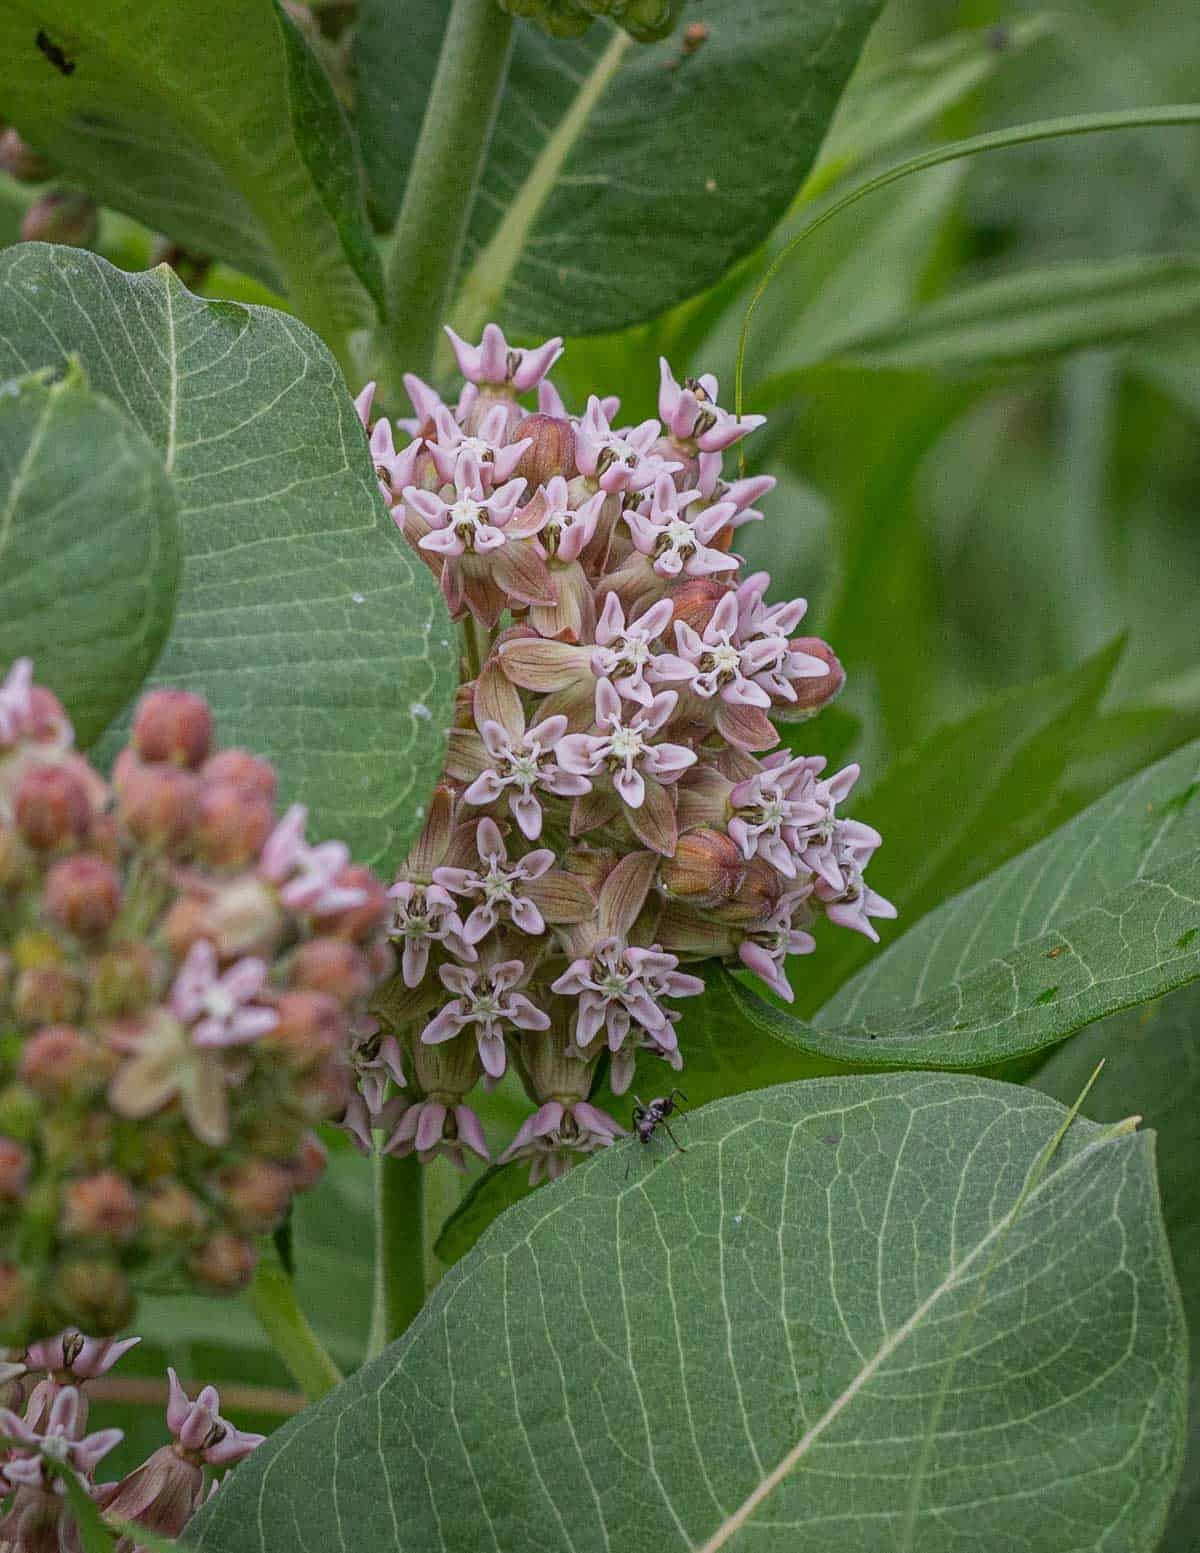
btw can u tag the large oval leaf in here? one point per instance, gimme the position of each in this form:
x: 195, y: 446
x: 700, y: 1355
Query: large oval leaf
x: 860, y: 1313
x: 622, y: 178
x: 89, y: 547
x: 211, y: 123
x: 302, y: 615
x: 1152, y: 1066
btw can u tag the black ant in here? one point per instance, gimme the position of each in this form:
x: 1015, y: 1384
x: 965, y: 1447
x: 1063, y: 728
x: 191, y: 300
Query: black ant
x: 54, y: 54
x: 646, y: 1118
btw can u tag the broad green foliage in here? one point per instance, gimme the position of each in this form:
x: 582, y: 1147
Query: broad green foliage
x: 1101, y: 915
x: 210, y: 123
x: 869, y: 1312
x: 89, y: 546
x: 594, y: 215
x: 1152, y: 1066
x: 1035, y: 313
x: 318, y: 637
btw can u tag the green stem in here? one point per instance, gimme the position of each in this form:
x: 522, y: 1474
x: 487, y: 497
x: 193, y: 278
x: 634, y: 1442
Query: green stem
x: 443, y: 1193
x: 1021, y: 134
x: 272, y: 1297
x: 399, y: 1263
x: 427, y: 239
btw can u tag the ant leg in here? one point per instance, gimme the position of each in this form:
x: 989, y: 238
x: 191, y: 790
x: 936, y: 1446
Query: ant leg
x: 672, y: 1137
x: 679, y: 1092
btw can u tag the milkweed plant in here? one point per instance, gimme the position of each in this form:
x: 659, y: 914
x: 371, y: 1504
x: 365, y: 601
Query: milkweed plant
x: 442, y: 1003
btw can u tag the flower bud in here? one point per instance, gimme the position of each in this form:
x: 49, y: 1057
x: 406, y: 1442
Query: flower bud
x: 756, y: 899
x: 123, y: 980
x: 173, y: 725
x: 47, y: 994
x: 51, y: 808
x: 242, y: 770
x: 60, y: 1062
x: 232, y: 824
x: 14, y: 1170
x: 159, y: 805
x: 83, y: 895
x: 74, y: 1143
x: 20, y: 161
x: 357, y: 923
x: 162, y: 1495
x: 240, y: 917
x: 707, y: 869
x: 696, y: 600
x: 812, y: 694
x: 322, y: 1094
x: 91, y: 1293
x: 307, y: 1164
x: 311, y: 1028
x: 551, y: 450
x: 225, y: 1262
x: 173, y: 1215
x: 99, y: 1207
x: 257, y: 1194
x: 61, y: 216
x: 332, y: 966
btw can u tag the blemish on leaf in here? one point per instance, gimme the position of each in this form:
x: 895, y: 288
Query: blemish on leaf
x: 54, y: 54
x: 1187, y: 938
x: 1181, y: 800
x: 832, y: 1138
x: 1053, y: 954
x: 1048, y: 996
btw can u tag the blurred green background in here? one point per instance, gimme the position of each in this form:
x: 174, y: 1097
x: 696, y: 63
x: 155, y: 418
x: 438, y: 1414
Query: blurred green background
x: 959, y: 529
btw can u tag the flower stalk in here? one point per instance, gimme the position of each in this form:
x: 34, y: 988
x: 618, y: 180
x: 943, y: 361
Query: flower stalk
x: 272, y: 1297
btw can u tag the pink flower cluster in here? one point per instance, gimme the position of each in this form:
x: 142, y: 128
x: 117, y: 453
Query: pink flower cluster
x: 614, y: 802
x: 50, y: 1436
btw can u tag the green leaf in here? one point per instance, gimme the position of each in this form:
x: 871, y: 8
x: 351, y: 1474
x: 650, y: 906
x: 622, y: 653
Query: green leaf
x: 892, y: 1312
x: 212, y: 124
x: 303, y: 615
x: 1005, y: 763
x: 1037, y: 313
x: 1152, y: 1066
x: 1103, y: 914
x: 495, y: 1190
x: 624, y: 178
x: 89, y: 546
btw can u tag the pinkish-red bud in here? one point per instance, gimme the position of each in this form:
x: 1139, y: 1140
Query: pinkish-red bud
x: 551, y: 452
x: 232, y: 825
x: 159, y: 805
x: 696, y: 600
x: 51, y: 808
x: 813, y: 694
x: 358, y: 923
x: 307, y: 1164
x: 99, y: 1207
x: 91, y: 1293
x: 60, y: 1061
x: 707, y: 869
x: 20, y: 161
x: 61, y: 216
x: 14, y: 1170
x: 257, y: 1193
x: 123, y: 980
x: 333, y: 966
x: 757, y: 897
x: 243, y: 770
x: 173, y: 725
x: 311, y: 1028
x: 83, y: 895
x: 47, y: 994
x: 174, y: 1215
x: 225, y: 1262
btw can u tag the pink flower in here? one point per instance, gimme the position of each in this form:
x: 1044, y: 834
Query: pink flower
x: 307, y: 876
x: 692, y: 415
x: 773, y: 809
x: 426, y: 402
x: 619, y: 987
x: 854, y: 903
x: 742, y: 493
x: 624, y: 748
x: 59, y: 1438
x: 676, y: 544
x: 765, y: 950
x: 715, y: 663
x: 523, y: 763
x: 82, y: 1357
x: 765, y: 631
x: 425, y: 915
x: 563, y: 533
x: 200, y: 1429
x: 16, y: 703
x: 624, y: 652
x: 484, y: 998
x: 493, y: 361
x: 220, y: 1009
x: 429, y: 1127
x: 502, y: 885
x: 471, y: 523
x: 495, y: 460
x: 556, y: 1134
x: 618, y: 460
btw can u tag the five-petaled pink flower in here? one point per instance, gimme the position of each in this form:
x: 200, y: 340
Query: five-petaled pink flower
x: 623, y: 745
x: 60, y: 1439
x: 624, y: 652
x: 556, y: 1134
x: 220, y: 1009
x: 619, y: 987
x: 82, y: 1357
x: 506, y: 889
x: 515, y: 762
x: 201, y: 1431
x: 774, y: 808
x: 767, y: 946
x: 676, y: 544
x: 691, y: 414
x: 424, y: 915
x: 496, y: 363
x: 427, y: 1128
x: 484, y: 998
x: 307, y: 876
x: 618, y: 460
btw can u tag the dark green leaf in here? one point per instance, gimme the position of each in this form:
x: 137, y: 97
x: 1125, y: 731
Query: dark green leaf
x: 890, y: 1312
x: 497, y: 1189
x: 303, y: 615
x: 89, y: 546
x: 1152, y: 1066
x: 594, y: 215
x: 210, y: 123
x: 1103, y: 914
x: 1037, y: 313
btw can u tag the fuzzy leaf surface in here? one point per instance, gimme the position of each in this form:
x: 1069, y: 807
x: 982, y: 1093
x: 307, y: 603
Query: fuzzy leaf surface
x: 303, y: 616
x: 859, y: 1313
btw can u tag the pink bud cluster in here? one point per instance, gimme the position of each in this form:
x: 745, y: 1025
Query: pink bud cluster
x: 613, y: 802
x: 179, y: 971
x: 51, y: 1435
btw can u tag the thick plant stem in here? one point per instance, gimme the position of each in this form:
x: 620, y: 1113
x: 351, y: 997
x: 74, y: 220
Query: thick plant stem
x: 428, y: 236
x: 399, y: 1260
x: 442, y: 1195
x: 272, y: 1297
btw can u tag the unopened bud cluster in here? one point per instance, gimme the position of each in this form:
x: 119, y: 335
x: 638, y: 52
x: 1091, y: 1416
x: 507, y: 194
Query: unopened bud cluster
x: 178, y: 976
x: 613, y: 802
x: 45, y: 1423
